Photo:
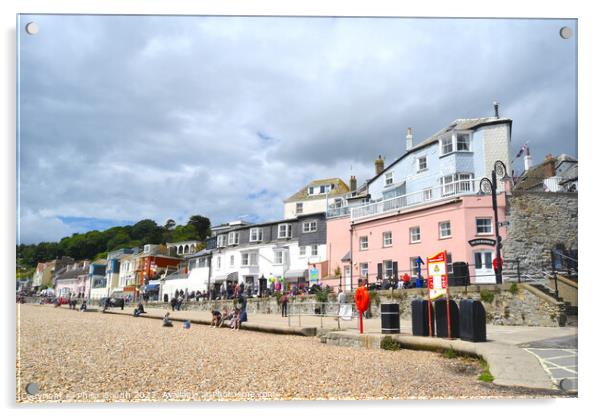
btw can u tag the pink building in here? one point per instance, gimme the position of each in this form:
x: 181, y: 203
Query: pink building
x: 385, y: 246
x: 73, y: 279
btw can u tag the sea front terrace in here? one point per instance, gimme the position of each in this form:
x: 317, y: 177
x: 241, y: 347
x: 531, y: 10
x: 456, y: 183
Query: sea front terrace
x: 423, y: 197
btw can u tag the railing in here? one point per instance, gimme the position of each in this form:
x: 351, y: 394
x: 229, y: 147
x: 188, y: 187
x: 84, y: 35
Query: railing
x: 460, y: 187
x: 337, y: 212
x: 297, y: 310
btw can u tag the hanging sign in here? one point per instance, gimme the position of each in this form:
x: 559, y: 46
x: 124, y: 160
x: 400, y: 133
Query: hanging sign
x: 436, y: 267
x: 481, y: 241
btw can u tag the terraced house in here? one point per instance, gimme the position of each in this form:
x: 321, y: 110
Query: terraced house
x: 291, y: 248
x: 425, y: 201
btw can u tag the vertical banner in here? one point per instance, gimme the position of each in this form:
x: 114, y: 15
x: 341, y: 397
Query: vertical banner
x: 436, y: 272
x: 436, y: 267
x: 314, y: 275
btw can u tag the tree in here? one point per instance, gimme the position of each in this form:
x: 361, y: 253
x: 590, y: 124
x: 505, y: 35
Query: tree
x: 170, y: 224
x: 202, y: 225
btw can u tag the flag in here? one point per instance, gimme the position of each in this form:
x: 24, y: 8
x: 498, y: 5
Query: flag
x: 522, y: 150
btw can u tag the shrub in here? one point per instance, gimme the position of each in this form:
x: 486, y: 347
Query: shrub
x: 450, y: 353
x: 374, y: 297
x: 485, y: 375
x: 487, y: 296
x: 387, y: 343
x: 514, y: 288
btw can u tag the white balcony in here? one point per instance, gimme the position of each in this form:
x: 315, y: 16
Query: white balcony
x: 423, y: 197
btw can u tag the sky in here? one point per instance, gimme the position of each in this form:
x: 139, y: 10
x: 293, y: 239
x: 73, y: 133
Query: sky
x: 122, y: 118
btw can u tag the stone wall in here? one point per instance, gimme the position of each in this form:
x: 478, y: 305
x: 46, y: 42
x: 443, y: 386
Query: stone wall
x: 523, y: 307
x: 538, y: 222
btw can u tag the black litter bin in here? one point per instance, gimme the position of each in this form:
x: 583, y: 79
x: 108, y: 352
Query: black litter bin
x: 420, y: 317
x: 389, y: 318
x: 441, y: 318
x: 472, y: 321
x: 460, y: 275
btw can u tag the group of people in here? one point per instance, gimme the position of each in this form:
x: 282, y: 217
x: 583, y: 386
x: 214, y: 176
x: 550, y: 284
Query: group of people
x: 235, y: 317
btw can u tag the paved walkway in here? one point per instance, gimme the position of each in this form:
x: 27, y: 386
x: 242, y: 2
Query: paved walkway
x: 517, y: 355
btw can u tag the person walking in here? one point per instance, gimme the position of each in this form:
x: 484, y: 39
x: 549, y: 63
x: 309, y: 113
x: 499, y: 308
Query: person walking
x: 284, y: 303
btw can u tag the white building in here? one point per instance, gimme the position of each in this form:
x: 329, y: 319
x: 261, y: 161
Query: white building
x: 315, y: 197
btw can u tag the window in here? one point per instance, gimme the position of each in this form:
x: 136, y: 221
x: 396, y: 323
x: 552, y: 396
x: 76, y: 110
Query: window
x: 310, y: 226
x: 311, y: 190
x: 248, y: 259
x: 363, y: 270
x: 231, y: 260
x: 464, y: 182
x: 463, y: 142
x: 219, y: 262
x: 191, y: 265
x: 422, y: 163
x: 284, y: 231
x: 233, y: 238
x: 456, y: 183
x: 388, y: 265
x: 299, y: 208
x: 427, y: 194
x: 301, y: 250
x: 221, y: 241
x: 447, y: 146
x: 415, y: 234
x: 279, y: 257
x: 363, y: 242
x: 484, y: 226
x: 444, y: 229
x: 256, y: 234
x: 387, y: 239
x: 414, y: 266
x: 314, y: 250
x: 388, y: 178
x: 450, y: 264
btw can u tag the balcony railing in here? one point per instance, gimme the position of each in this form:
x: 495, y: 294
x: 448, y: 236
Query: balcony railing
x: 337, y: 211
x: 427, y: 196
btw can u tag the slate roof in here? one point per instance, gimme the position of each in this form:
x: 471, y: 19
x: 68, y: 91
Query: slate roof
x: 534, y: 177
x: 340, y: 188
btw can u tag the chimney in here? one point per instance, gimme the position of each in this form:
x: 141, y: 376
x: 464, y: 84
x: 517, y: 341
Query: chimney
x: 496, y: 109
x: 528, y: 159
x: 379, y: 165
x: 409, y: 138
x: 352, y: 183
x: 549, y: 168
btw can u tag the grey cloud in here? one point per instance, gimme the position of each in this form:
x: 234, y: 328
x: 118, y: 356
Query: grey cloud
x: 161, y: 117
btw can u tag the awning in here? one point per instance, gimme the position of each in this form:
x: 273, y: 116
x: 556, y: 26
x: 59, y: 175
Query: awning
x: 295, y: 273
x: 347, y: 257
x: 233, y: 276
x: 151, y: 287
x: 219, y: 278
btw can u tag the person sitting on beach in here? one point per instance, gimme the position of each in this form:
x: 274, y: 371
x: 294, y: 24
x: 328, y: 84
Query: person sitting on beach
x: 235, y: 320
x: 84, y: 306
x: 216, y: 318
x: 139, y: 309
x: 166, y: 321
x: 225, y: 316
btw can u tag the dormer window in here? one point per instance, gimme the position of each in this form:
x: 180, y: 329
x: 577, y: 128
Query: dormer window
x: 233, y: 238
x: 256, y: 234
x: 458, y: 142
x: 447, y: 146
x: 463, y: 142
x: 221, y: 241
x: 310, y: 226
x: 285, y: 231
x: 388, y: 178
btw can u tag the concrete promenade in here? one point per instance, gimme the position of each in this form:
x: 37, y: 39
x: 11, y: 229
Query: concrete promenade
x: 509, y: 363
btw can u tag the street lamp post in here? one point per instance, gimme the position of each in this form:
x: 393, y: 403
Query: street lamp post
x: 490, y: 186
